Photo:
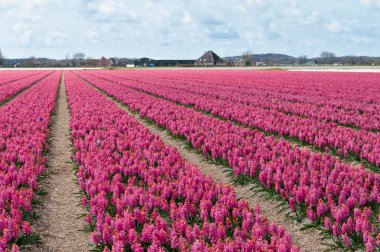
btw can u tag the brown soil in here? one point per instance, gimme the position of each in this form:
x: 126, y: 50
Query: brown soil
x: 307, y: 240
x: 59, y: 224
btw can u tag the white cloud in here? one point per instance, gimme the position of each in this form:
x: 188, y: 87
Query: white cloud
x: 90, y: 37
x: 29, y: 17
x: 361, y: 40
x: 107, y: 8
x: 313, y: 18
x: 24, y: 34
x: 91, y: 34
x: 142, y: 11
x: 24, y: 4
x: 186, y: 19
x: 256, y: 2
x: 371, y: 2
x: 336, y: 27
x: 294, y: 10
x: 54, y: 38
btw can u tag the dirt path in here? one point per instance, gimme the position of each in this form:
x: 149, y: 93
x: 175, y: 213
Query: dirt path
x: 59, y: 226
x: 307, y: 240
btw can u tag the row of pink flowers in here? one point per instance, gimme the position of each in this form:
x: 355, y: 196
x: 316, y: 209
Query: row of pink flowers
x: 347, y: 98
x: 12, y: 76
x: 328, y: 187
x: 314, y: 95
x: 23, y: 139
x: 346, y: 141
x: 12, y: 88
x: 142, y: 195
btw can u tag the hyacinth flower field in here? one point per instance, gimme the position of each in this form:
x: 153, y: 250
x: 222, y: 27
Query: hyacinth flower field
x: 23, y: 142
x: 305, y: 143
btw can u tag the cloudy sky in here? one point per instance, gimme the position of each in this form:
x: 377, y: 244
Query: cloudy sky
x: 186, y: 28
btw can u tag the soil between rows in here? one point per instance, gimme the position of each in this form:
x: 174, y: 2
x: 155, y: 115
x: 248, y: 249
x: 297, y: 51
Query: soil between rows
x: 59, y: 224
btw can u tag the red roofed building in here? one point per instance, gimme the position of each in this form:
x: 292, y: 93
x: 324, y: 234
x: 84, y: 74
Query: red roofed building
x: 103, y: 62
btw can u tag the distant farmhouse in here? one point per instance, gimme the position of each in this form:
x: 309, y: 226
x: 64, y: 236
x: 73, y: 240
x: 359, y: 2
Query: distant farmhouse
x: 12, y: 63
x: 147, y: 62
x: 103, y: 62
x: 114, y: 62
x: 209, y: 58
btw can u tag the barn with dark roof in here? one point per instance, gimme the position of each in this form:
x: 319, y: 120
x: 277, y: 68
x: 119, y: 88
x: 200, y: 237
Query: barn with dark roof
x: 209, y: 58
x: 147, y: 62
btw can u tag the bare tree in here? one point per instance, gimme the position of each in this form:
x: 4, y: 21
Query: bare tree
x: 79, y: 58
x: 30, y: 62
x: 270, y: 61
x: 1, y: 58
x: 327, y: 57
x: 247, y: 58
x: 67, y: 59
x: 347, y: 60
x: 88, y: 61
x: 302, y: 60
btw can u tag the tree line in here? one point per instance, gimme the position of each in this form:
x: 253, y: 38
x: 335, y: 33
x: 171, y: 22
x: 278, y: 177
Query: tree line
x: 78, y: 59
x: 325, y: 58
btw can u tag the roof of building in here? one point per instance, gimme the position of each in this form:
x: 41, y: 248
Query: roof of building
x: 102, y: 61
x: 113, y: 61
x: 210, y: 57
